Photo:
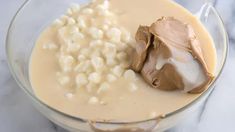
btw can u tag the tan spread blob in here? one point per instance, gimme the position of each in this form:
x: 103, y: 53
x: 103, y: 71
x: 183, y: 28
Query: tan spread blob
x: 143, y: 37
x: 162, y: 52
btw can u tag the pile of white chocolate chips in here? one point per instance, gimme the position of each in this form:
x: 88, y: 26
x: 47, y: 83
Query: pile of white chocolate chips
x: 92, y: 49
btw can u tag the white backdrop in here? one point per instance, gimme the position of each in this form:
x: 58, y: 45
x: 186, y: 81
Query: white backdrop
x: 18, y: 115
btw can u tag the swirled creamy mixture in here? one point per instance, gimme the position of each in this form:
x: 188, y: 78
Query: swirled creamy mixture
x: 80, y: 64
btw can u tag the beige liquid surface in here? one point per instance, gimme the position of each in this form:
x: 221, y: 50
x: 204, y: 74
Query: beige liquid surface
x: 121, y: 103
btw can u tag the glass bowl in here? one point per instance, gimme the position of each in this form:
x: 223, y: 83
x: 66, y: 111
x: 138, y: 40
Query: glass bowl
x: 34, y: 15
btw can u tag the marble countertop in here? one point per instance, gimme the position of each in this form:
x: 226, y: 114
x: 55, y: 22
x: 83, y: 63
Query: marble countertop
x: 18, y: 115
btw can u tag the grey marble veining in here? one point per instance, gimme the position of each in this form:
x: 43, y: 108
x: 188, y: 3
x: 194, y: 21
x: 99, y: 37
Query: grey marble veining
x: 18, y: 115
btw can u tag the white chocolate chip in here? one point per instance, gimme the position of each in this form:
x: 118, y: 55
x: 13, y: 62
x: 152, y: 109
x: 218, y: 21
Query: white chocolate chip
x: 73, y: 47
x: 83, y: 66
x: 69, y: 11
x: 132, y: 44
x: 77, y: 36
x: 81, y: 79
x: 81, y: 23
x: 107, y: 22
x: 64, y: 18
x: 87, y: 11
x: 118, y: 71
x: 74, y: 30
x: 106, y: 4
x: 111, y: 78
x: 122, y: 47
x: 103, y: 87
x: 93, y: 100
x: 81, y: 58
x: 105, y: 27
x: 114, y: 34
x: 125, y: 64
x: 109, y: 50
x: 62, y: 34
x: 50, y: 46
x: 111, y: 61
x: 122, y: 56
x: 63, y: 79
x: 69, y: 95
x: 71, y: 21
x: 95, y: 33
x: 58, y: 23
x: 104, y: 13
x: 75, y: 7
x: 103, y: 6
x: 95, y: 53
x: 66, y: 62
x: 95, y: 43
x: 130, y: 75
x: 126, y: 36
x: 63, y: 49
x: 94, y: 77
x: 97, y: 62
x: 93, y: 22
x: 85, y: 52
x: 100, y: 8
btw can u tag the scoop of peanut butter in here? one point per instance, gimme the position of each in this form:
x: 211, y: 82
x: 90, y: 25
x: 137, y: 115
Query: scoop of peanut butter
x: 169, y: 57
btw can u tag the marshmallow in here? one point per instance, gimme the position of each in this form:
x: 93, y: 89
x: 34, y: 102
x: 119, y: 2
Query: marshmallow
x: 95, y: 77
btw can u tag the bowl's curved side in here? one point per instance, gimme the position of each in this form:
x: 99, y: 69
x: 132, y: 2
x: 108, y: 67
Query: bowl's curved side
x: 72, y: 122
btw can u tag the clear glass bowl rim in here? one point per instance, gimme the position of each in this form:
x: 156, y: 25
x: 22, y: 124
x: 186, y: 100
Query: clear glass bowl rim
x: 11, y: 67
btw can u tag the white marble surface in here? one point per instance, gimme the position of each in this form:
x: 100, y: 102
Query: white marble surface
x: 18, y: 115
